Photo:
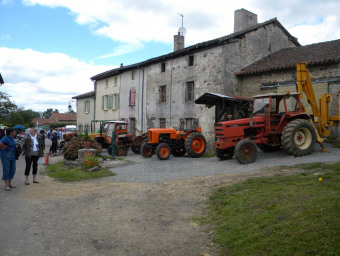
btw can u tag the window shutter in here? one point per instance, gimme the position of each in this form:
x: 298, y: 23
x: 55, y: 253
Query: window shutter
x: 88, y: 106
x: 102, y: 102
x: 117, y: 100
x: 132, y: 97
x: 110, y: 99
x: 85, y: 110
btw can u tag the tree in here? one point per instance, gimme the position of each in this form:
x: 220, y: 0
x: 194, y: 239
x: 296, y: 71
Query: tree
x: 6, y: 107
x: 49, y: 112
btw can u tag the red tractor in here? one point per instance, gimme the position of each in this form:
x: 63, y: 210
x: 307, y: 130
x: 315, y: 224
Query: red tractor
x: 277, y: 120
x: 165, y: 141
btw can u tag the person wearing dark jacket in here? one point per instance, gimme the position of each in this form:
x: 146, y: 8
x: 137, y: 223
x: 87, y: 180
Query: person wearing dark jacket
x: 54, y: 146
x: 7, y: 152
x: 32, y: 148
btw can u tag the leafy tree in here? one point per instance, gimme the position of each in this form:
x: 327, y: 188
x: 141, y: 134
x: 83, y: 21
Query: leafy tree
x: 49, y: 112
x: 28, y: 115
x: 16, y: 118
x: 6, y: 107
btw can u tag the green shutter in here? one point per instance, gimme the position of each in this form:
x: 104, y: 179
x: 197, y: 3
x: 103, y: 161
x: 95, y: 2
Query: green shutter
x: 117, y: 100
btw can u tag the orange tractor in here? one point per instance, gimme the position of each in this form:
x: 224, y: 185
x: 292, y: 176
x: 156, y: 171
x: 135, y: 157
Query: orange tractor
x: 167, y: 141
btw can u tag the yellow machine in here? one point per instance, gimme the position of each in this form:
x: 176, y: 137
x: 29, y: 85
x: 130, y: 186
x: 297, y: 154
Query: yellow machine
x: 326, y: 110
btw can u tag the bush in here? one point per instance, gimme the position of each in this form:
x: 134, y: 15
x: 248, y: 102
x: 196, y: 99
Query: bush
x: 70, y: 150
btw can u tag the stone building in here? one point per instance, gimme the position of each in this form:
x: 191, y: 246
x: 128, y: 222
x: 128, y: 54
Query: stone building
x: 160, y: 92
x: 85, y: 111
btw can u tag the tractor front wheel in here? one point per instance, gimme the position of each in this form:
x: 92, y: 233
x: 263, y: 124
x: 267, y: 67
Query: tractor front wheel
x: 224, y: 154
x: 195, y: 144
x: 146, y: 150
x: 298, y: 137
x: 121, y: 151
x: 163, y: 151
x: 246, y: 151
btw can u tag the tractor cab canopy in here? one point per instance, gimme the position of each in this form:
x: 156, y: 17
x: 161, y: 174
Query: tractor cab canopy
x: 226, y: 106
x: 275, y: 101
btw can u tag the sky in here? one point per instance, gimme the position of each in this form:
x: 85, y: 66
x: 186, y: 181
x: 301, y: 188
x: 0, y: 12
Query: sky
x: 49, y: 49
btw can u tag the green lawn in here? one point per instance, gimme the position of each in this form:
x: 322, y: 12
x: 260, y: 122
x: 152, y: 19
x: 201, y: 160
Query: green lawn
x: 63, y: 173
x: 281, y: 215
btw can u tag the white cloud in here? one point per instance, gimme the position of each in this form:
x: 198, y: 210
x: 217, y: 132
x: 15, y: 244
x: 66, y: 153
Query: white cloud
x: 39, y: 80
x: 138, y: 22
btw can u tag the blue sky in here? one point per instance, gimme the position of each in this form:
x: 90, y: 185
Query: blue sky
x: 50, y: 48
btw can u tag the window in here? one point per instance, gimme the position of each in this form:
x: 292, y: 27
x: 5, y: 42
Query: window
x: 163, y: 67
x: 133, y: 73
x: 162, y: 123
x: 80, y: 128
x: 109, y: 101
x: 87, y: 106
x: 189, y: 93
x: 162, y: 93
x: 132, y: 98
x: 103, y: 103
x: 115, y: 81
x: 86, y: 128
x: 191, y: 60
x: 106, y: 83
x: 188, y: 123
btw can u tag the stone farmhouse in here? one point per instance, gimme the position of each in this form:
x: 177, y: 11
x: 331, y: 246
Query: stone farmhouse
x: 160, y: 92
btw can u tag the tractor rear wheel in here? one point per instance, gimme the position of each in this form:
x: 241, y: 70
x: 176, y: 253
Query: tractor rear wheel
x: 298, y: 137
x: 163, y: 151
x: 121, y: 151
x: 135, y: 149
x: 224, y: 154
x: 246, y: 151
x: 195, y: 144
x: 178, y: 151
x: 146, y: 150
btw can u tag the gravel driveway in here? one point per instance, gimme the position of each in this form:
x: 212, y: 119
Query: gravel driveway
x: 147, y: 209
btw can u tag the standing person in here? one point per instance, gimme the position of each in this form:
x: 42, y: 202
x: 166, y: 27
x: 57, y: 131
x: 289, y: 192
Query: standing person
x: 54, y: 146
x: 32, y: 148
x: 7, y: 146
x: 42, y: 132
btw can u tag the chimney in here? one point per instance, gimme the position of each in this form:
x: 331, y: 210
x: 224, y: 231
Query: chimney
x: 244, y: 19
x: 178, y: 42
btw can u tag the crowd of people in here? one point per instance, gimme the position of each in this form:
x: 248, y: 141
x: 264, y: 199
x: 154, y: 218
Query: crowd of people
x: 32, y: 147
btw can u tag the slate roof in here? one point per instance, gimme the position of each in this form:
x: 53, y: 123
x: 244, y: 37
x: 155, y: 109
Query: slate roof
x: 286, y: 59
x: 85, y: 95
x: 231, y: 38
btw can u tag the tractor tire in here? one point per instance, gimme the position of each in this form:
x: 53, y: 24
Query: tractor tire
x: 268, y: 148
x: 135, y: 149
x: 195, y: 144
x: 121, y: 151
x: 163, y: 151
x: 224, y: 154
x: 146, y: 150
x: 178, y: 152
x: 298, y: 137
x: 246, y: 151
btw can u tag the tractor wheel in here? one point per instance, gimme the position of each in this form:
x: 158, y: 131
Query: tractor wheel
x: 224, y: 154
x: 246, y: 151
x: 135, y: 149
x: 178, y: 152
x: 146, y: 150
x: 195, y: 144
x: 163, y: 151
x: 298, y: 137
x: 268, y: 148
x: 121, y: 151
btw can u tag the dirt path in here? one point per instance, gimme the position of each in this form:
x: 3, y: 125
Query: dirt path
x: 102, y: 217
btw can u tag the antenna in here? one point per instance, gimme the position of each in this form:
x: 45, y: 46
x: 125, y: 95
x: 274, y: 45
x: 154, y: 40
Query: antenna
x: 182, y: 30
x: 182, y: 17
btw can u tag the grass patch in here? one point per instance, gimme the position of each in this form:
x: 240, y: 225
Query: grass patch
x: 64, y: 173
x: 281, y: 215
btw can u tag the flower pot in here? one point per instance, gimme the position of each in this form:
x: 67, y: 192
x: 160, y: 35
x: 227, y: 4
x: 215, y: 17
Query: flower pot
x: 87, y: 144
